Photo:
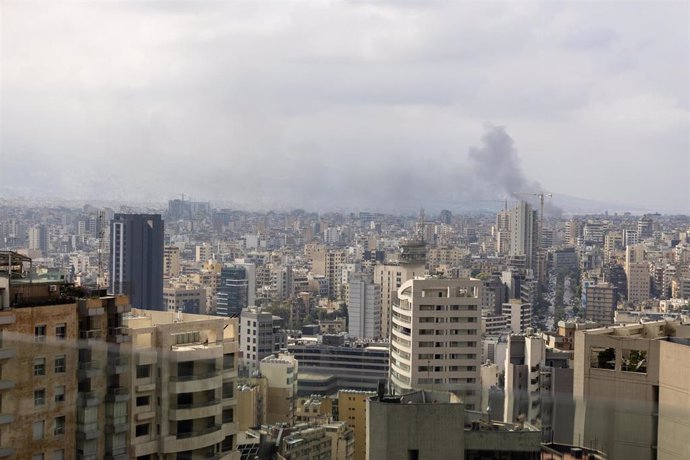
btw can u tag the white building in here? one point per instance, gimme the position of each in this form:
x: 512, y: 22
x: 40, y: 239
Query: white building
x: 435, y: 337
x: 524, y: 233
x: 363, y: 307
x: 518, y: 314
x: 260, y: 337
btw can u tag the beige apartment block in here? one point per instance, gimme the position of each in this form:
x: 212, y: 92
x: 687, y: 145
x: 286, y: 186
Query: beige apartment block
x: 183, y: 385
x: 390, y: 277
x: 39, y: 378
x: 436, y: 337
x: 61, y: 372
x: 280, y: 371
x: 251, y: 403
x: 352, y: 408
x: 171, y: 261
x: 632, y: 390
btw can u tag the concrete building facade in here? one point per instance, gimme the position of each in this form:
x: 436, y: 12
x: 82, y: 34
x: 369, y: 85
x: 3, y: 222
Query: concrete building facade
x: 436, y: 337
x: 184, y: 368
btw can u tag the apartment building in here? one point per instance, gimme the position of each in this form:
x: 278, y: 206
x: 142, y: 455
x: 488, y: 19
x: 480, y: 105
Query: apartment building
x: 602, y: 299
x: 391, y: 276
x: 183, y: 385
x: 518, y: 315
x: 436, y: 337
x: 63, y: 355
x: 632, y: 390
x: 352, y: 408
x: 261, y: 337
x: 363, y: 306
x: 281, y: 372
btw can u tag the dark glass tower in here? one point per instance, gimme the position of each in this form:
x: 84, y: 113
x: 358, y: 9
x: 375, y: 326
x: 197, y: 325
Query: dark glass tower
x: 136, y: 259
x: 233, y: 291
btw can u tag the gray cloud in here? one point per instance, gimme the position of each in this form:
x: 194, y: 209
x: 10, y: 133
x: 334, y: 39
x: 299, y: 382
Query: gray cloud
x: 344, y: 104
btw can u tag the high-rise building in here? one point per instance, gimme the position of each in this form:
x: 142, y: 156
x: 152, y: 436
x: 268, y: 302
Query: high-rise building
x: 602, y: 299
x: 524, y: 229
x: 637, y: 273
x: 171, y: 261
x: 518, y: 315
x: 136, y: 259
x: 38, y: 238
x: 261, y: 337
x: 233, y: 291
x: 390, y: 277
x: 436, y: 337
x: 363, y: 306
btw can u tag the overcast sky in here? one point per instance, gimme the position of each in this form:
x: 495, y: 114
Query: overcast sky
x: 346, y: 104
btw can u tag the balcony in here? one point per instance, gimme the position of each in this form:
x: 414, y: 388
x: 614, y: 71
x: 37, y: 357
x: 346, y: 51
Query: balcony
x: 117, y: 424
x: 88, y: 399
x: 88, y: 370
x: 118, y: 365
x: 229, y: 428
x: 117, y: 305
x: 91, y: 336
x: 90, y: 307
x: 196, y: 410
x: 196, y: 352
x: 196, y: 382
x: 193, y: 440
x: 196, y: 434
x: 7, y: 316
x: 87, y: 431
x: 117, y: 394
x: 7, y: 353
x: 118, y: 335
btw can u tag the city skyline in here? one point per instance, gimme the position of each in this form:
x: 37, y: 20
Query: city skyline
x: 402, y: 104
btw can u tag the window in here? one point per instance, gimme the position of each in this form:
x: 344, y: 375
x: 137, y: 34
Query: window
x: 59, y: 393
x: 143, y: 371
x: 603, y: 358
x: 38, y: 430
x: 40, y: 333
x: 37, y: 457
x: 634, y: 361
x: 39, y: 397
x: 61, y: 331
x: 59, y: 454
x: 228, y: 361
x: 60, y: 364
x: 228, y: 415
x: 143, y: 429
x: 40, y: 366
x: 59, y: 425
x: 143, y: 401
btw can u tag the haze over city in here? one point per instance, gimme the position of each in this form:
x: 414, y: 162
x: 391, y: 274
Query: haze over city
x: 340, y: 105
